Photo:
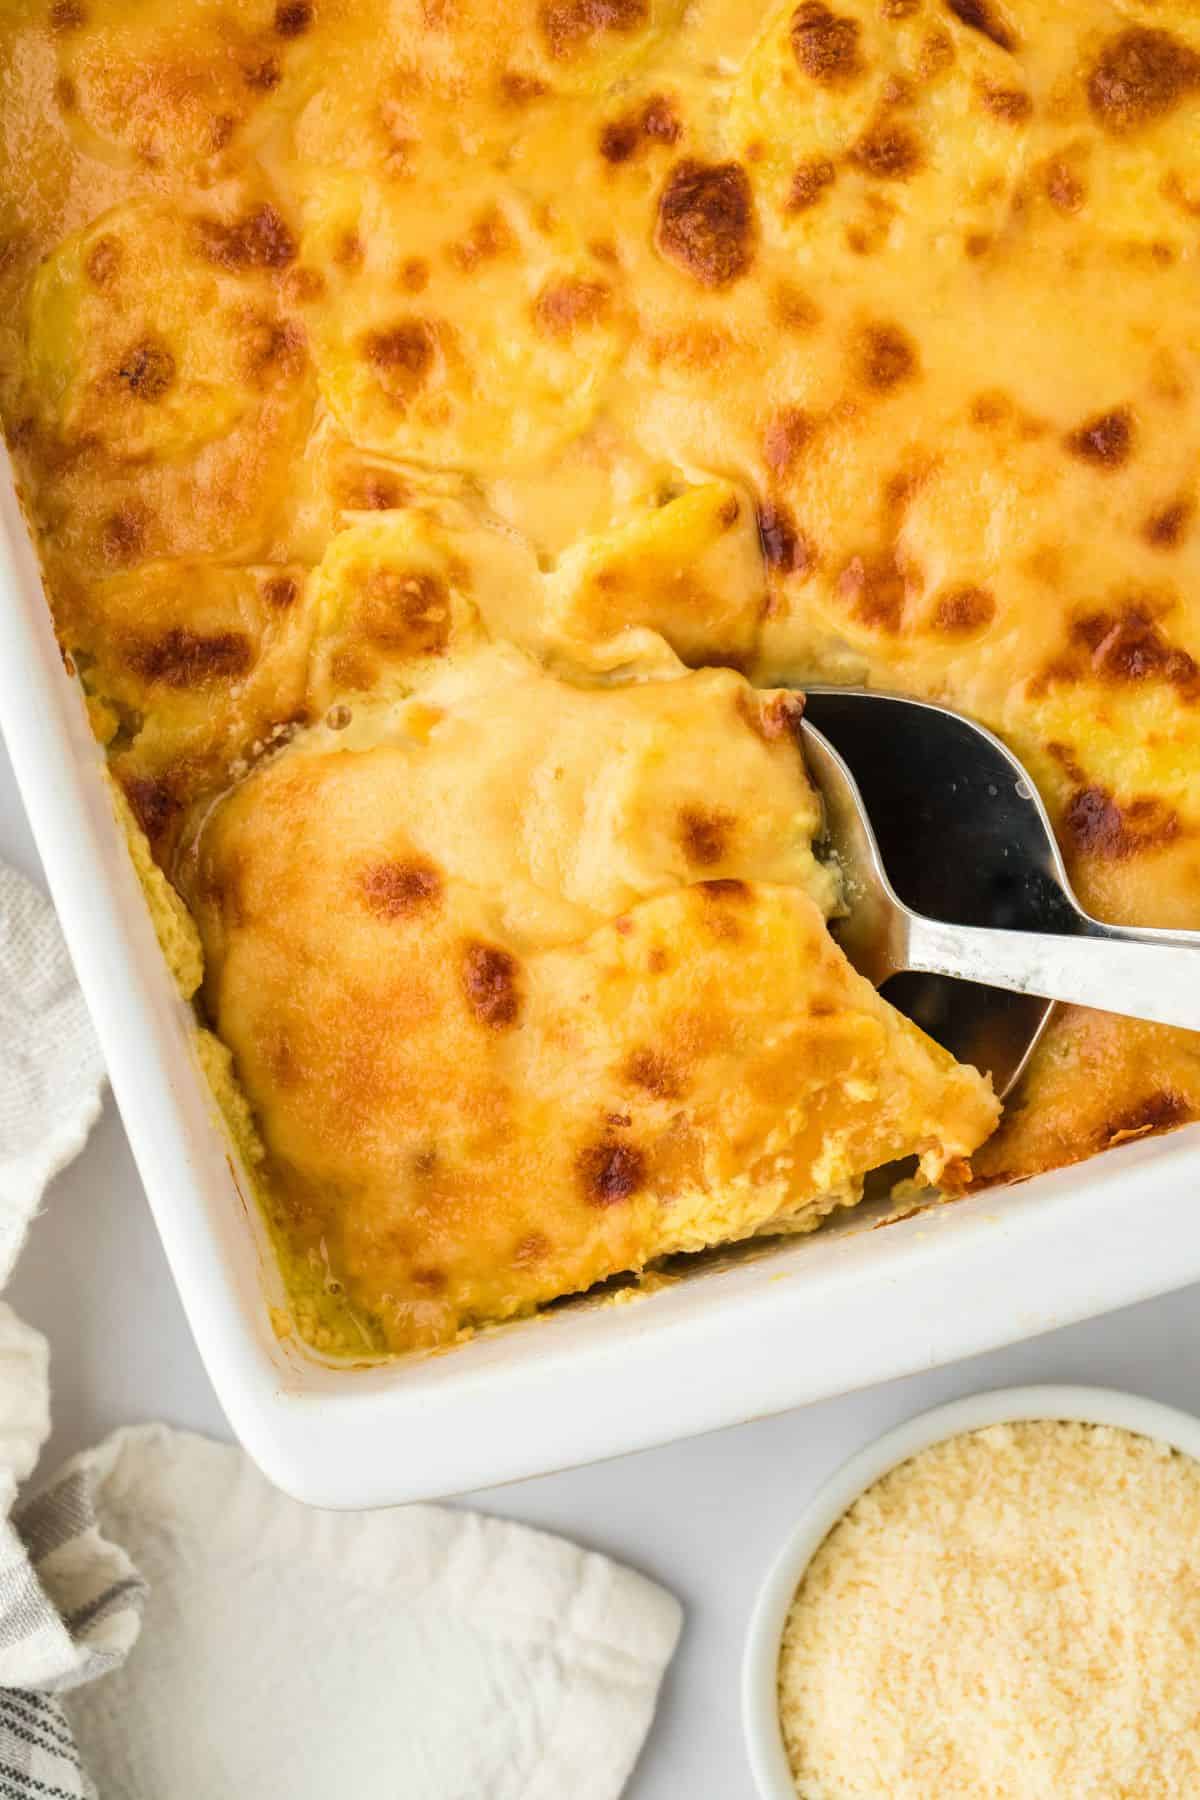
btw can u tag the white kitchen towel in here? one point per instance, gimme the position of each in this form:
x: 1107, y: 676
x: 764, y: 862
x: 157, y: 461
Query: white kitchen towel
x: 50, y: 1066
x: 51, y: 1075
x: 419, y: 1654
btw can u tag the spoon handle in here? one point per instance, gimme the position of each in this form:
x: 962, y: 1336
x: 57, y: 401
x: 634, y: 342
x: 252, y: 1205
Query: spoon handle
x: 1146, y: 974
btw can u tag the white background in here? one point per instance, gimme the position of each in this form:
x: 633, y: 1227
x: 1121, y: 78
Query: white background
x: 703, y: 1517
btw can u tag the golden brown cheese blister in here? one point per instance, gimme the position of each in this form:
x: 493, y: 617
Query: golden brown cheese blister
x: 392, y: 595
x: 463, y: 338
x: 194, y: 669
x: 158, y: 84
x: 167, y: 384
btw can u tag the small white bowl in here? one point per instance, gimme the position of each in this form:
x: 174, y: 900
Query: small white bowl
x: 1000, y: 1406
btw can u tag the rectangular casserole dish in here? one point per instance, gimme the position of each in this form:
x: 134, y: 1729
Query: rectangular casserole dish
x: 801, y: 1320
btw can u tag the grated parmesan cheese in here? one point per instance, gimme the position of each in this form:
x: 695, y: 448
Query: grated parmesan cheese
x: 1014, y: 1613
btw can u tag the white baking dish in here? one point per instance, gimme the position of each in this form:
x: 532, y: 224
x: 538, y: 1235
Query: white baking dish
x: 809, y: 1318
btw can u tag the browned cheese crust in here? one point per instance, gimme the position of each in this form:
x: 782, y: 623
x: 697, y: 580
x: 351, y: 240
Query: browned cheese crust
x: 409, y: 395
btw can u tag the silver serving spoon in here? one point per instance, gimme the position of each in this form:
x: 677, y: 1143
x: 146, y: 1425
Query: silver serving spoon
x: 951, y: 869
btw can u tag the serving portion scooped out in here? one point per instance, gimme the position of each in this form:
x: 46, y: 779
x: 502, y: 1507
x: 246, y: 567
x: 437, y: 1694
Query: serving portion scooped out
x: 450, y: 431
x: 495, y: 1060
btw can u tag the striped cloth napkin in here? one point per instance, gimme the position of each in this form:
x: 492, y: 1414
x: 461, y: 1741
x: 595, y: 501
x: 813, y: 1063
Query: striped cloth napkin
x: 285, y: 1653
x: 69, y: 1601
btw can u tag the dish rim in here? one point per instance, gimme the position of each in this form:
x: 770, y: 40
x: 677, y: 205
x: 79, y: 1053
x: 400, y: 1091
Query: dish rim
x: 1062, y: 1401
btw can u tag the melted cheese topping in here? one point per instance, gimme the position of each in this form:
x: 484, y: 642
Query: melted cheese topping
x: 504, y: 362
x: 531, y: 984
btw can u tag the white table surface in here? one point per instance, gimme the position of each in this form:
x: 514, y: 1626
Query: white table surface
x: 702, y: 1517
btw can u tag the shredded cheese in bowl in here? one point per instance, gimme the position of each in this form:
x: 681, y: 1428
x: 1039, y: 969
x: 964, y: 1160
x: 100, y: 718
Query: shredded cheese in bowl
x: 1013, y: 1612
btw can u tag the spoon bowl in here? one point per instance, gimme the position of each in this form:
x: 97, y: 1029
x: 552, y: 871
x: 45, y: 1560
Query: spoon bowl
x: 957, y: 898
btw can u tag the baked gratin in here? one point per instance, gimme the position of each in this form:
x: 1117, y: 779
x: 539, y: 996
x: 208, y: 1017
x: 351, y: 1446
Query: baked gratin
x: 452, y: 430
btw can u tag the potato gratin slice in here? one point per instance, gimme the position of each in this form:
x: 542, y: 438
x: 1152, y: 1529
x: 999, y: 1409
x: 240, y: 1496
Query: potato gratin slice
x: 529, y: 984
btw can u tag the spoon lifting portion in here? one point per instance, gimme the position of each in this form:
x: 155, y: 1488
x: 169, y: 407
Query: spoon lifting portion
x: 956, y: 893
